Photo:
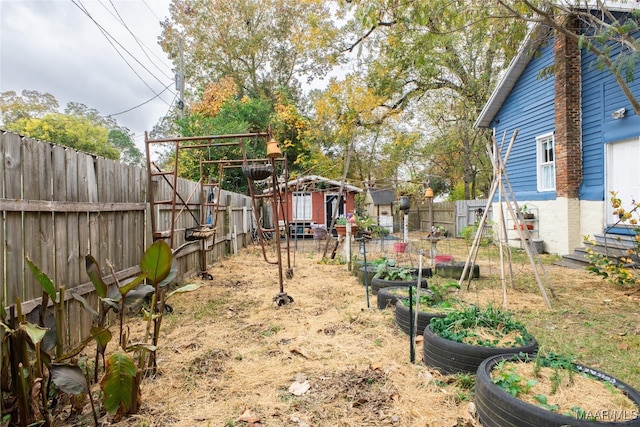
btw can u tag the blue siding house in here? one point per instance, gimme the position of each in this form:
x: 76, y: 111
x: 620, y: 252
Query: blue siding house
x: 578, y: 138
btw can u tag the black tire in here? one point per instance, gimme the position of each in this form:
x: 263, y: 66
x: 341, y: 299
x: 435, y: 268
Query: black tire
x: 403, y: 319
x: 426, y: 272
x: 451, y: 357
x: 387, y: 298
x: 370, y: 271
x: 377, y: 283
x: 497, y: 408
x: 454, y: 270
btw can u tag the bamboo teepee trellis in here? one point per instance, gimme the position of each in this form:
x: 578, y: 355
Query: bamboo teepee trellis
x: 502, y: 186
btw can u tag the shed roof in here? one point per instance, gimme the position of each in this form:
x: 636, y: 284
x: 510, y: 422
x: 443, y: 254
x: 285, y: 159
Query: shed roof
x: 382, y: 196
x: 301, y: 181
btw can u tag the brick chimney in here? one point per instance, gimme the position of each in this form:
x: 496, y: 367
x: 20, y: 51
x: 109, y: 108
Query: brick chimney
x: 568, y: 112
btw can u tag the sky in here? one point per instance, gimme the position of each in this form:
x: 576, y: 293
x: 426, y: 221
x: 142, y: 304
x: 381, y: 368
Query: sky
x: 53, y: 46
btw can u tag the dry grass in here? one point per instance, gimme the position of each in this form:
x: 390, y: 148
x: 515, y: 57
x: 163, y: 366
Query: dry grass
x: 228, y: 356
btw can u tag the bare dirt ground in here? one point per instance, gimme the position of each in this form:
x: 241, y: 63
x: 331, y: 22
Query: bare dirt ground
x: 229, y: 357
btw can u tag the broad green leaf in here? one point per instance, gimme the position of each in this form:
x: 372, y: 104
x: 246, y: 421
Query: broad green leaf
x: 44, y: 280
x: 148, y: 347
x: 541, y: 398
x: 183, y: 289
x: 69, y: 378
x: 117, y: 383
x: 132, y: 284
x: 113, y: 303
x: 36, y: 333
x: 137, y: 294
x: 102, y: 337
x: 172, y: 274
x: 93, y: 271
x: 156, y: 261
x: 86, y: 306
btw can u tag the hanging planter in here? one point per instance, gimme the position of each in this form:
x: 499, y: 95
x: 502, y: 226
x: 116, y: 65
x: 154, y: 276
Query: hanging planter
x: 399, y: 247
x: 257, y: 172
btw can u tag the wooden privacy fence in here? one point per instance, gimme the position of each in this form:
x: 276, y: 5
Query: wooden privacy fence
x: 59, y: 205
x: 443, y: 214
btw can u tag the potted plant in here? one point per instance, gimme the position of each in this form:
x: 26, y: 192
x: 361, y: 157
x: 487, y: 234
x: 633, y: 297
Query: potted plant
x: 434, y: 302
x: 460, y: 341
x: 526, y: 213
x: 551, y: 390
x: 341, y: 225
x: 438, y: 231
x: 399, y: 247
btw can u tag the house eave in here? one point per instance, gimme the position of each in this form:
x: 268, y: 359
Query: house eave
x: 514, y: 71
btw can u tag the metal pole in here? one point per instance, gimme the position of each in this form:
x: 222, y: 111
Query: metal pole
x: 366, y: 269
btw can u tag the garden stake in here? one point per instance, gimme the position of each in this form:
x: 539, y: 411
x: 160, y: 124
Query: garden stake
x: 412, y: 349
x: 414, y: 321
x: 363, y: 242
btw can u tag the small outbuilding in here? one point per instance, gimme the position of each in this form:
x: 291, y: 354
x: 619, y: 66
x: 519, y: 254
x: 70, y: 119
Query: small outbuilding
x: 378, y: 204
x: 312, y: 201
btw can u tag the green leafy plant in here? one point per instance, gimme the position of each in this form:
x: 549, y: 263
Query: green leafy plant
x: 464, y: 326
x: 505, y: 375
x: 37, y: 378
x: 468, y: 233
x: 437, y: 296
x: 624, y: 270
x: 389, y: 271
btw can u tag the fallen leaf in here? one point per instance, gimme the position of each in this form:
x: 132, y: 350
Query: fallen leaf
x: 298, y: 389
x: 428, y: 376
x: 299, y: 352
x: 419, y: 339
x: 359, y: 402
x: 395, y: 397
x: 248, y: 417
x: 623, y: 346
x: 374, y: 366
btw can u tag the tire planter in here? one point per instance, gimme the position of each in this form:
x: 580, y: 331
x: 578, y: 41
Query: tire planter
x: 370, y: 271
x: 454, y: 270
x: 451, y: 357
x: 403, y: 320
x: 387, y: 298
x: 426, y: 272
x: 377, y: 283
x: 497, y: 408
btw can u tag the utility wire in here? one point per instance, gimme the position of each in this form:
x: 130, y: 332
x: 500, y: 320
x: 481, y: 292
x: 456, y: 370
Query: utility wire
x: 142, y: 46
x: 108, y: 36
x: 145, y: 102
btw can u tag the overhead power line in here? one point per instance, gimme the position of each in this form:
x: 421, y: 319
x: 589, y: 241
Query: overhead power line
x: 145, y: 102
x: 140, y: 44
x: 109, y: 37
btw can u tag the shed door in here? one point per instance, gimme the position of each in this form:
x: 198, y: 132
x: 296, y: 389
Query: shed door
x: 622, y: 175
x: 330, y: 201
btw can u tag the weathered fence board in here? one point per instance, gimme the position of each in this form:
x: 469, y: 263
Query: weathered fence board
x: 59, y: 205
x: 13, y: 220
x: 3, y: 282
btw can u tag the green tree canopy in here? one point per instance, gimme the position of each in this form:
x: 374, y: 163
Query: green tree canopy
x: 36, y: 115
x: 264, y: 45
x: 71, y: 131
x: 437, y: 63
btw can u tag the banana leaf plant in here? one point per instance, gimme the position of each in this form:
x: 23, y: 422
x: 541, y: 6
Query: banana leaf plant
x: 29, y: 370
